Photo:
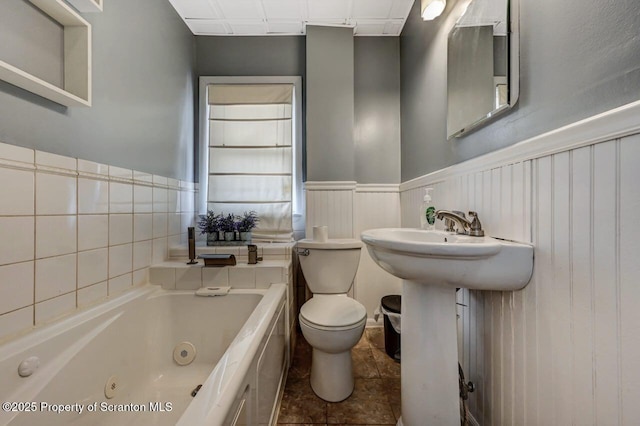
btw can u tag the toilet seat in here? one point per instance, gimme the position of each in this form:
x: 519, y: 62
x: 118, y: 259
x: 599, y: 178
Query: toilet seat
x: 333, y: 312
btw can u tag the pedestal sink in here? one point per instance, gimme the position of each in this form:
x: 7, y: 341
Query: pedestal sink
x: 432, y: 265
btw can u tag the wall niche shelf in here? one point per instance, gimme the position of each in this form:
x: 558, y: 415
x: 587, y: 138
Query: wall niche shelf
x: 77, y: 59
x: 87, y: 6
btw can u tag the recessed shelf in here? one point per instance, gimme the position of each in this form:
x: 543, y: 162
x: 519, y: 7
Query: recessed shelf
x: 77, y: 60
x: 87, y: 6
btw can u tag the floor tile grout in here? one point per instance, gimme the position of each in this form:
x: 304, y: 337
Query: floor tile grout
x: 371, y: 402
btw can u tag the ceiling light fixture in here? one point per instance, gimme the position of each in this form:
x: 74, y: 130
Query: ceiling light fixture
x: 431, y: 9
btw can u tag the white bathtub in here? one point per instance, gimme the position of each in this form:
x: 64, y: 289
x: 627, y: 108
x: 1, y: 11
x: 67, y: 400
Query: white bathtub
x: 241, y: 359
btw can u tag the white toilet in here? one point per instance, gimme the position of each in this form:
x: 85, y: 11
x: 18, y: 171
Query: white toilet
x: 331, y: 321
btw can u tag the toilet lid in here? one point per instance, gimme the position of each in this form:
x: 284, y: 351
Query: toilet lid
x: 333, y: 311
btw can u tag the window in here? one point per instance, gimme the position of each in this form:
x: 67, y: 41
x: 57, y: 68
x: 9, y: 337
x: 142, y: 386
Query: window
x: 250, y: 151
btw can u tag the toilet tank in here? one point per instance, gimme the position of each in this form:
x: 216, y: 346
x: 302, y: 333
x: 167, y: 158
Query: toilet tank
x: 330, y: 266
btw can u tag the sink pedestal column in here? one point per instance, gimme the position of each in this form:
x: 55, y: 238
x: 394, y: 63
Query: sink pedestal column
x: 430, y: 394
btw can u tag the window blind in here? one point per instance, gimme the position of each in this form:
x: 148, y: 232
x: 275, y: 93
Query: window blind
x: 250, y: 154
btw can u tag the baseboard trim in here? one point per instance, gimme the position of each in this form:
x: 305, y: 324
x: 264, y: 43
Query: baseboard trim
x: 372, y: 323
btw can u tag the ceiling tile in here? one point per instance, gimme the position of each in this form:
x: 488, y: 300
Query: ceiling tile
x: 401, y: 9
x: 371, y: 9
x: 274, y: 17
x: 204, y: 27
x: 248, y: 28
x: 323, y: 9
x: 241, y: 9
x: 393, y: 28
x: 285, y: 27
x: 200, y: 9
x: 282, y: 9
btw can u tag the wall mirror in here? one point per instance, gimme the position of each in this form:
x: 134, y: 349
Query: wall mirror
x: 482, y: 65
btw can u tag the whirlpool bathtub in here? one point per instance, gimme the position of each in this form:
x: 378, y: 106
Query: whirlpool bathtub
x: 152, y: 357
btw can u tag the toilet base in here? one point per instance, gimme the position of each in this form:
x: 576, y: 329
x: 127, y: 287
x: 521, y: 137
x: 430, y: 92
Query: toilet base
x: 332, y: 375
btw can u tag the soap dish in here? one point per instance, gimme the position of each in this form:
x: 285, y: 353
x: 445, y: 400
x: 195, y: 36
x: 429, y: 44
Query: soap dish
x: 218, y: 259
x: 213, y: 291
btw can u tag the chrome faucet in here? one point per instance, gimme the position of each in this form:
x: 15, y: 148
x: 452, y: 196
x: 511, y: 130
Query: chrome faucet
x: 473, y: 228
x: 449, y: 224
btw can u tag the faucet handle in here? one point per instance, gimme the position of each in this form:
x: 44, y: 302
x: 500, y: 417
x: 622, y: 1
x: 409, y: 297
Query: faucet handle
x: 476, y: 227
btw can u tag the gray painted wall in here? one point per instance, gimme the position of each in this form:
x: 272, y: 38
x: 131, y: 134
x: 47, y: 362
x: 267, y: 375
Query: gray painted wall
x: 578, y: 58
x: 330, y: 104
x: 377, y: 109
x: 143, y: 87
x: 376, y: 100
x: 38, y: 50
x: 253, y: 56
x: 250, y: 56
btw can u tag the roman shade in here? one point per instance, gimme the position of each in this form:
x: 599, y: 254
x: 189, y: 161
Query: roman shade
x: 250, y: 154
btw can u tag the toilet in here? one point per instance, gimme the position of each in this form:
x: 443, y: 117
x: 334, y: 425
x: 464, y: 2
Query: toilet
x: 331, y: 321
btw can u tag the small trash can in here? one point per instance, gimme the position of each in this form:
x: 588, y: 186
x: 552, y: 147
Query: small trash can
x: 390, y: 306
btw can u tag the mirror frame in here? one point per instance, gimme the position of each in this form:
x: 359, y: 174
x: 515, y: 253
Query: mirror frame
x: 513, y: 12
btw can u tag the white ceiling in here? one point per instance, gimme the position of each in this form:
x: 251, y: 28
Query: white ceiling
x: 290, y: 17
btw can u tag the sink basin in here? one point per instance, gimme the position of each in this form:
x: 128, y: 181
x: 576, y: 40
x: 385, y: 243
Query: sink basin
x: 432, y: 265
x: 443, y: 258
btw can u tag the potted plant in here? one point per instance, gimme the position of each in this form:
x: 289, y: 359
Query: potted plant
x: 228, y: 225
x: 209, y: 224
x: 246, y: 223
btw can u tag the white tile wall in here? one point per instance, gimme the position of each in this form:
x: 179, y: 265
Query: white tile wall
x: 142, y: 254
x: 215, y: 277
x: 16, y: 283
x: 120, y: 197
x: 143, y: 198
x: 20, y: 188
x: 120, y: 260
x: 16, y: 244
x: 55, y: 194
x: 92, y: 294
x: 178, y: 275
x: 188, y: 278
x: 93, y: 196
x: 55, y: 235
x: 55, y: 276
x: 120, y: 229
x: 53, y: 308
x: 92, y: 267
x: 142, y: 227
x: 163, y: 276
x: 68, y: 229
x: 120, y: 284
x: 93, y: 231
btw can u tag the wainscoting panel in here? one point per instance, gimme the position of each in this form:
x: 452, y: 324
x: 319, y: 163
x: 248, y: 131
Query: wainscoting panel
x: 330, y: 204
x: 348, y: 209
x: 376, y: 206
x: 566, y: 349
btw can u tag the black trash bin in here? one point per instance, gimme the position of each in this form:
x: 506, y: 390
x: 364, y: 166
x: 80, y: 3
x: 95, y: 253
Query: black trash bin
x: 391, y: 304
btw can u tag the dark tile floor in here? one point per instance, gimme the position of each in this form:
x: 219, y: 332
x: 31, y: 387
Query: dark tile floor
x: 375, y: 399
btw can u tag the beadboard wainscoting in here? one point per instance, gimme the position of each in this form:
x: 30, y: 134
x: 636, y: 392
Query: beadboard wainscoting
x: 74, y: 232
x: 348, y: 208
x: 564, y: 350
